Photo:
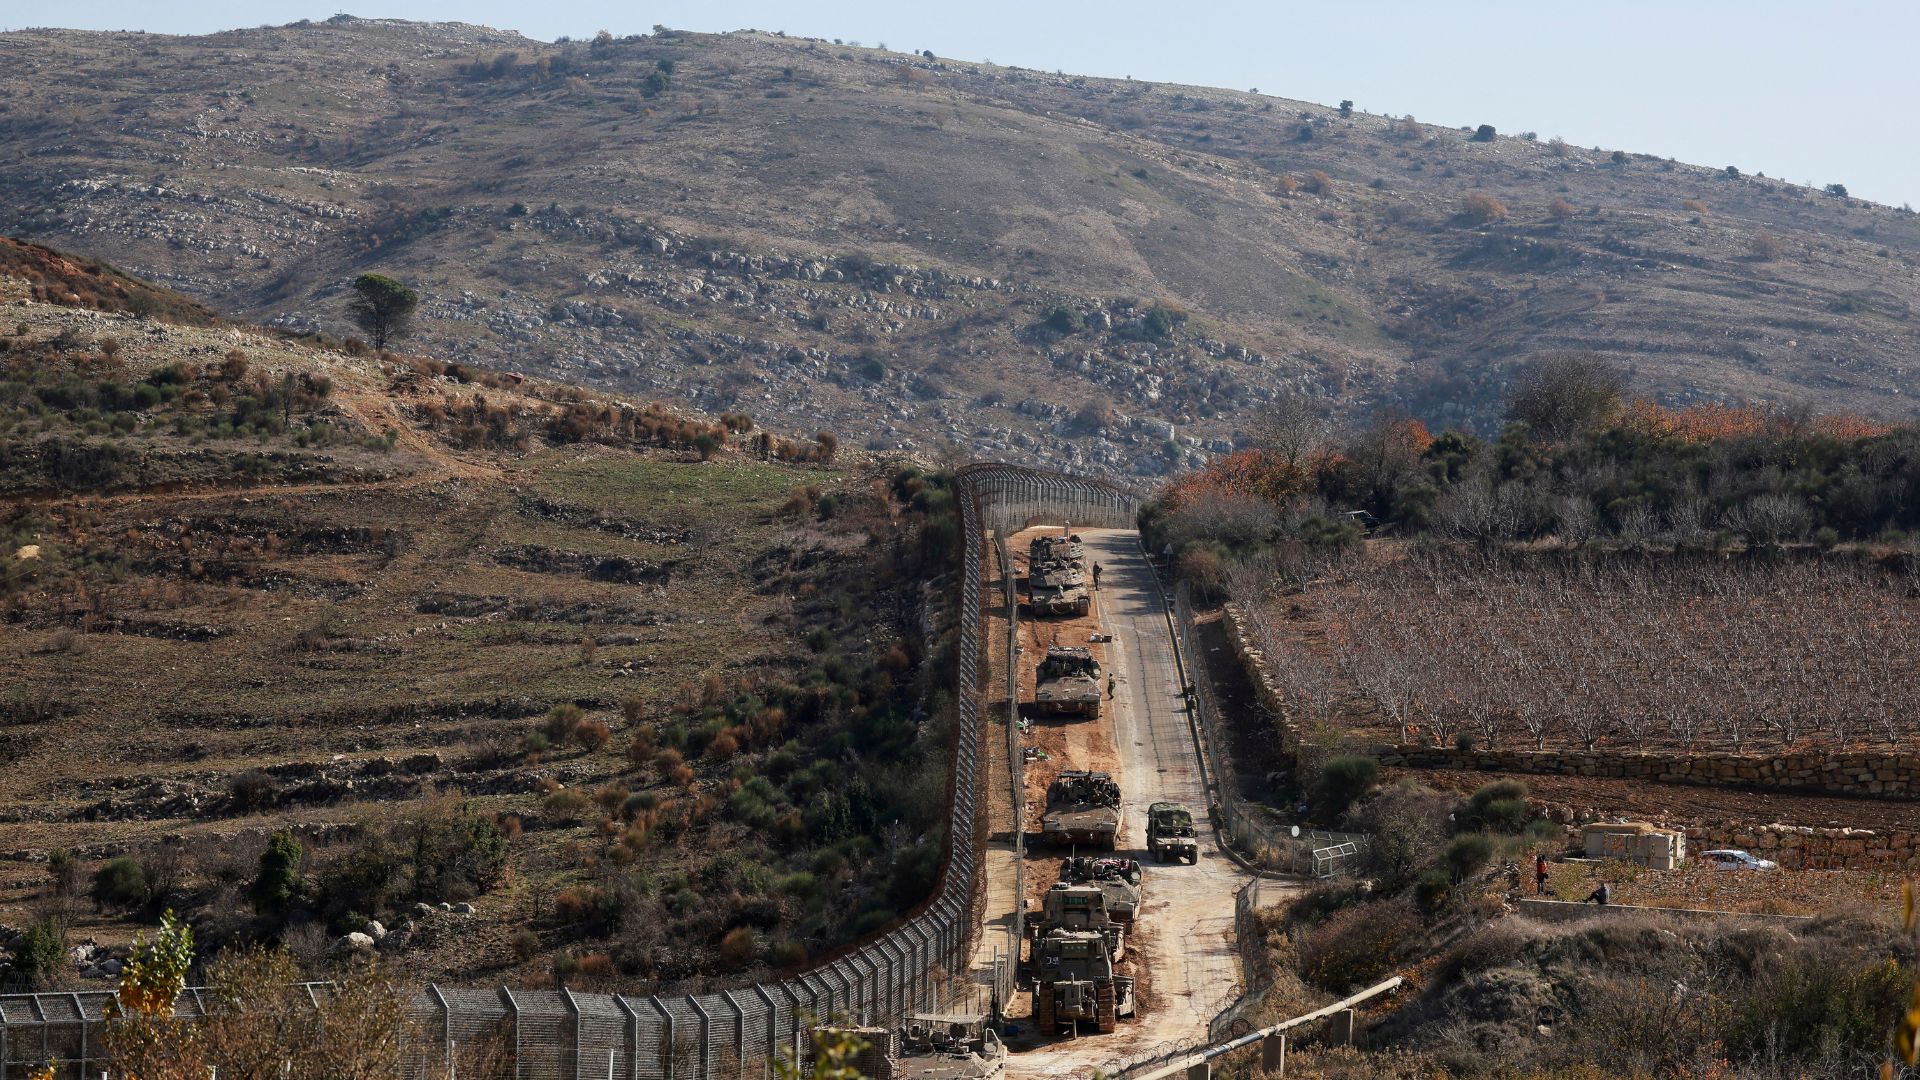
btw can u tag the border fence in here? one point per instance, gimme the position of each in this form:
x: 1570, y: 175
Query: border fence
x: 736, y: 1034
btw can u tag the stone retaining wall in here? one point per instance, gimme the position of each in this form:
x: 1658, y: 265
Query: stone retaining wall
x: 1869, y: 773
x: 1563, y: 911
x: 1800, y: 848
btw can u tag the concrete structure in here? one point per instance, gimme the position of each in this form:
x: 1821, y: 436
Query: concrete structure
x: 1636, y: 841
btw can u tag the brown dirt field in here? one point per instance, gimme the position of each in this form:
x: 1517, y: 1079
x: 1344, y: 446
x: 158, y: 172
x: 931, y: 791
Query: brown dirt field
x: 1678, y: 804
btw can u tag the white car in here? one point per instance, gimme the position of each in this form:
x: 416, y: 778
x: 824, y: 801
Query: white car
x: 1735, y: 859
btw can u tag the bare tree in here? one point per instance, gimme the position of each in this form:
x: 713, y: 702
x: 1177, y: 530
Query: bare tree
x: 1562, y: 394
x: 1292, y: 426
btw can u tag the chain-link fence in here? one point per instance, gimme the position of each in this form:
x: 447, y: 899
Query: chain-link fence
x: 729, y: 1035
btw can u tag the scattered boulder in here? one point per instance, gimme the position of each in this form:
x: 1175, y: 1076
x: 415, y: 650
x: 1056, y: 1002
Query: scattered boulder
x: 354, y: 942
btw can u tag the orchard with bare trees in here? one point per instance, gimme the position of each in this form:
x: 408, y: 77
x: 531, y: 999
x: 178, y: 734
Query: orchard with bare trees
x: 1526, y: 650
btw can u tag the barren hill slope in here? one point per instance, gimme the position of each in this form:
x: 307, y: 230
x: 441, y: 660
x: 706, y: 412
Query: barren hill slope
x: 874, y: 242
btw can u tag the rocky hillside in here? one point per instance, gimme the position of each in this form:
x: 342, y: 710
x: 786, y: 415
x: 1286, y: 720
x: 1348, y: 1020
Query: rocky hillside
x: 952, y: 256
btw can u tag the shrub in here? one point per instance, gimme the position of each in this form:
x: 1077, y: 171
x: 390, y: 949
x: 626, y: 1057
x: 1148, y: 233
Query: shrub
x: 566, y: 806
x: 65, y: 868
x: 1161, y: 319
x: 592, y: 735
x: 641, y: 746
x: 121, y: 883
x: 1484, y: 133
x: 1694, y: 206
x: 1356, y: 945
x: 1498, y: 807
x: 1483, y: 209
x: 561, y: 721
x: 1319, y: 183
x: 1064, y: 320
x: 526, y: 944
x: 1766, y: 247
x: 1343, y: 780
x: 1561, y: 209
x: 278, y: 881
x: 738, y: 948
x: 1433, y: 891
x: 42, y: 953
x: 1468, y: 853
x: 535, y: 742
x: 252, y: 790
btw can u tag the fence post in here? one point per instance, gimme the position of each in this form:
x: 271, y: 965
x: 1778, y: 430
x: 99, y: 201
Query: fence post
x: 704, y: 1070
x: 513, y: 1011
x: 446, y: 1024
x: 1273, y: 1054
x: 633, y: 1036
x: 573, y: 1013
x: 773, y: 1027
x: 669, y: 1047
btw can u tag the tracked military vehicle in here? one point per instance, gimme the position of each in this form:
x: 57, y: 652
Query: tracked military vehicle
x: 1080, y: 906
x: 1074, y: 984
x: 1057, y: 576
x: 1083, y: 808
x: 1117, y: 879
x: 949, y: 1046
x: 1067, y: 683
x: 1170, y: 835
x: 1062, y: 549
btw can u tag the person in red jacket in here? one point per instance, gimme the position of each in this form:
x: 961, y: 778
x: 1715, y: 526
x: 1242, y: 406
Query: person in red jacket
x: 1540, y: 874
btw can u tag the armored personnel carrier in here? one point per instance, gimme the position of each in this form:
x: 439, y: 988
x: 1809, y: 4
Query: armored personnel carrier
x: 1117, y: 879
x: 949, y: 1046
x: 1170, y: 835
x: 1067, y: 683
x: 1080, y: 906
x: 1074, y: 984
x: 1082, y: 808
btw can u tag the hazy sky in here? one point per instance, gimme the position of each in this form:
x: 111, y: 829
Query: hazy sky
x: 1805, y: 91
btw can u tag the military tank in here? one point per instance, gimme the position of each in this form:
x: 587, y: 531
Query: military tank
x: 1067, y: 683
x: 1118, y: 880
x: 1082, y: 808
x: 1057, y: 576
x: 1079, y: 906
x: 1074, y: 984
x: 949, y: 1046
x: 1170, y: 836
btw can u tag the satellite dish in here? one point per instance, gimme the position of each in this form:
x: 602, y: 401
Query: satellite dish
x: 1296, y: 830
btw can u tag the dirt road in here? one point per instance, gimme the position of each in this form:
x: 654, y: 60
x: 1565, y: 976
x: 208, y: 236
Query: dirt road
x: 1185, y: 937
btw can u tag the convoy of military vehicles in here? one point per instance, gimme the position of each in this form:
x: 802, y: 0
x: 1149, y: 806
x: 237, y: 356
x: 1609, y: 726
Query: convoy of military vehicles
x: 1080, y: 931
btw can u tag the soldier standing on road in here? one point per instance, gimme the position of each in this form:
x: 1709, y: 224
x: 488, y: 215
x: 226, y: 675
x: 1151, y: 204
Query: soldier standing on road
x: 1096, y: 577
x: 1109, y: 688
